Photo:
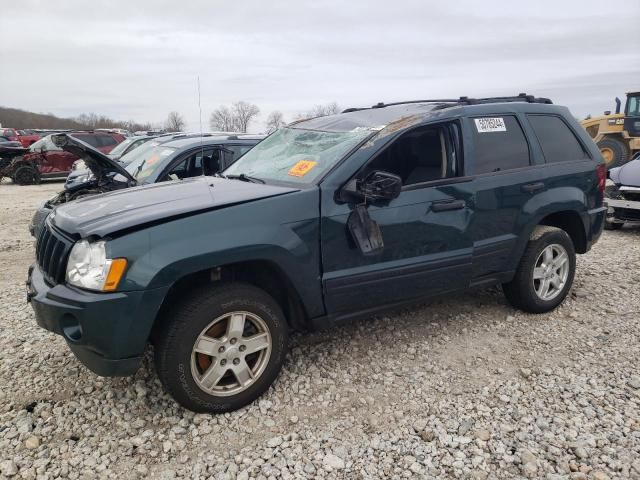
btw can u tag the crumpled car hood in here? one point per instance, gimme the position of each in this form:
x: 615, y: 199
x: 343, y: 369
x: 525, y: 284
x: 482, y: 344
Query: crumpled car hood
x: 628, y: 174
x: 133, y: 208
x: 96, y: 161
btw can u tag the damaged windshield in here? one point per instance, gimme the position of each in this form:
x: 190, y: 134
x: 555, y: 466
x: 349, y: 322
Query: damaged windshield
x: 146, y: 161
x: 296, y: 155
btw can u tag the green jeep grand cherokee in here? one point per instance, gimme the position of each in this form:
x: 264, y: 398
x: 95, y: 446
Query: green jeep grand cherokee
x: 328, y: 219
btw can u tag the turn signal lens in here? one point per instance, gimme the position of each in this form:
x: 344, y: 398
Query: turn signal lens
x: 116, y: 271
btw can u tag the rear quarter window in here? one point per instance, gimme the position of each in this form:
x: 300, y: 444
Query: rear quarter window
x: 499, y: 144
x: 558, y: 142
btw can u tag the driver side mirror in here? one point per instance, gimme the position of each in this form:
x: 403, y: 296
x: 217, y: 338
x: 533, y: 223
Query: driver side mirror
x: 376, y: 186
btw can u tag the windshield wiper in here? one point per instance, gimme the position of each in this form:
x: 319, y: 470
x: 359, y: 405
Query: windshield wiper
x: 135, y: 175
x: 246, y: 178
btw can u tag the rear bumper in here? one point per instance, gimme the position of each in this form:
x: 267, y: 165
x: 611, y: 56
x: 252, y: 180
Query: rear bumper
x: 595, y: 222
x: 107, y: 332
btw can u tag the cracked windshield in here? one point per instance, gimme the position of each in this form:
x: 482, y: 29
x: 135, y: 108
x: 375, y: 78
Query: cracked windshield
x: 296, y: 155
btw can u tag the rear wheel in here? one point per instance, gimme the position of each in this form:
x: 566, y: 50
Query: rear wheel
x: 614, y: 152
x: 546, y: 271
x: 26, y: 175
x: 221, y: 348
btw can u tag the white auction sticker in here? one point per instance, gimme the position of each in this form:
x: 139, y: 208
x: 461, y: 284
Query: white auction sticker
x: 495, y: 124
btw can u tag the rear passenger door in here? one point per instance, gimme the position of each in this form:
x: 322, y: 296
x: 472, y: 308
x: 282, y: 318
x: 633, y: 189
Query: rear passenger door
x: 505, y: 178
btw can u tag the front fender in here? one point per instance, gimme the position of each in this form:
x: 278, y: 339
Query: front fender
x: 163, y: 254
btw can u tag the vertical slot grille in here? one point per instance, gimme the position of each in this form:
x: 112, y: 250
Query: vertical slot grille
x: 52, y: 251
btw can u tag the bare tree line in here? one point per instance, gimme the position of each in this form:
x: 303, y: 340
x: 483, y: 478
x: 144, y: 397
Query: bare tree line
x: 234, y: 118
x: 239, y: 115
x: 17, y: 118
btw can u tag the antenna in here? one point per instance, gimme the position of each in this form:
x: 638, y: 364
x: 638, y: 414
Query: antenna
x: 201, y: 145
x: 199, y: 105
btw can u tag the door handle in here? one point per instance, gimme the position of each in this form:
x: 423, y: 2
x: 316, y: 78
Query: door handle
x: 532, y: 187
x: 448, y: 205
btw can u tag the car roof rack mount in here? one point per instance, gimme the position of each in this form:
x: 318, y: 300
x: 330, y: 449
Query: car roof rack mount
x: 522, y: 97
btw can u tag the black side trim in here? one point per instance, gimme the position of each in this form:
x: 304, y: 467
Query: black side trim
x: 334, y: 285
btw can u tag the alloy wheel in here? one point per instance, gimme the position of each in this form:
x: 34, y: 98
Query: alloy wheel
x: 231, y: 353
x: 551, y: 272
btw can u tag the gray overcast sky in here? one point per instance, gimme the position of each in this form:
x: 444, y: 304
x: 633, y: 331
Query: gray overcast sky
x: 140, y: 59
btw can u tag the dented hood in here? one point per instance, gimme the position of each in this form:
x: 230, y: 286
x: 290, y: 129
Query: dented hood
x: 96, y: 161
x: 133, y: 208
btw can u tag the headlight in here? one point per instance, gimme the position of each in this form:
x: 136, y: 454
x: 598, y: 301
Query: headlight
x: 88, y: 267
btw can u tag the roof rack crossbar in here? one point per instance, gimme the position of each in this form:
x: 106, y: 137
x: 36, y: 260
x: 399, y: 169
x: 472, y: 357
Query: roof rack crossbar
x: 522, y: 97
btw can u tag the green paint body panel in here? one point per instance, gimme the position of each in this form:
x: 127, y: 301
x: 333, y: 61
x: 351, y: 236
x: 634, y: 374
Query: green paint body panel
x: 302, y: 231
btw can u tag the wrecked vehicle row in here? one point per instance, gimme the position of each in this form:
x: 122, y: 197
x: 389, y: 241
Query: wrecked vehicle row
x: 172, y: 157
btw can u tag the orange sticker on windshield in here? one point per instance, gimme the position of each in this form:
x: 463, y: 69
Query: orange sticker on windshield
x: 152, y: 160
x: 301, y: 168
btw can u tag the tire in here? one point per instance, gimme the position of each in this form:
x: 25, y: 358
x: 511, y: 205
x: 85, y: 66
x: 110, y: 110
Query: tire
x: 26, y: 175
x: 614, y: 152
x: 521, y: 291
x: 609, y: 225
x: 204, y: 318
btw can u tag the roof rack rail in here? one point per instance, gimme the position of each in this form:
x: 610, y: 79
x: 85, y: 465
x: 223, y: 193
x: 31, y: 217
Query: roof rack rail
x: 522, y: 97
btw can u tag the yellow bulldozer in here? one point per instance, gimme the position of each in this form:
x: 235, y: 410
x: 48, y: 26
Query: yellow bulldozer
x: 617, y: 134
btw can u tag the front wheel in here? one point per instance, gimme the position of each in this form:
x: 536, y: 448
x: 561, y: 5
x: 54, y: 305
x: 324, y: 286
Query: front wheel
x: 26, y: 175
x: 609, y: 225
x: 546, y: 271
x: 221, y: 348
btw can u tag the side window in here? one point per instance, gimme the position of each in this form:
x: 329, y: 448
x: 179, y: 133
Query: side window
x: 499, y: 144
x: 193, y: 165
x: 237, y: 152
x: 633, y: 108
x: 418, y: 156
x: 179, y: 171
x: 557, y: 141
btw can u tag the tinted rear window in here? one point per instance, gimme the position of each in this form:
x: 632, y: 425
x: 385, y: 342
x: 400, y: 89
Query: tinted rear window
x: 499, y: 144
x: 89, y: 139
x: 106, y: 141
x: 557, y: 141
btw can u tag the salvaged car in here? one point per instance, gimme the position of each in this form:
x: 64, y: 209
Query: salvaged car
x: 9, y: 150
x: 623, y: 197
x: 164, y: 158
x: 324, y: 221
x: 45, y: 160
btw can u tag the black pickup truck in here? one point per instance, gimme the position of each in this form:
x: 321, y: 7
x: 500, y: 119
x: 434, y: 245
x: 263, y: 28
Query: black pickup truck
x: 326, y: 220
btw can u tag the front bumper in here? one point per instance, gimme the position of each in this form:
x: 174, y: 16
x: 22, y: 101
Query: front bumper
x: 107, y: 332
x: 623, y: 210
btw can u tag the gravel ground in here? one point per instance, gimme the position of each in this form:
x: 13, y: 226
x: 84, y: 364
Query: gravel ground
x: 462, y: 387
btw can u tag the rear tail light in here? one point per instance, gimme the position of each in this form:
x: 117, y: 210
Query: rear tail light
x: 601, y: 172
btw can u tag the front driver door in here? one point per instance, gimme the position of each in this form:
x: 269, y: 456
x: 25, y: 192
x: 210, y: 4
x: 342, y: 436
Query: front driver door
x: 426, y: 247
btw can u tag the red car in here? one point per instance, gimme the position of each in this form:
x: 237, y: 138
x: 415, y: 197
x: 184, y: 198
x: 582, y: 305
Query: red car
x: 45, y: 160
x: 9, y: 133
x: 28, y: 137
